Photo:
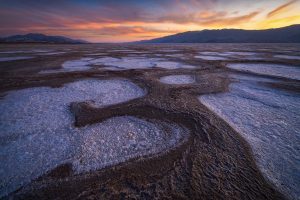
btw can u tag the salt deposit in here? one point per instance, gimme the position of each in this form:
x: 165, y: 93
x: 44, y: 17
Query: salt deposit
x: 287, y: 57
x: 138, y: 63
x: 240, y: 53
x: 211, y: 57
x: 173, y: 65
x: 169, y: 50
x: 36, y: 126
x: 136, y: 137
x: 176, y: 55
x: 177, y: 79
x: 212, y: 53
x: 269, y: 120
x: 51, y: 53
x: 268, y: 69
x: 72, y: 65
x: 84, y: 64
x: 128, y: 62
x: 4, y: 59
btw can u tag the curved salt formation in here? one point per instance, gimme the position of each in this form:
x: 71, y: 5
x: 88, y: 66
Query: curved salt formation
x: 36, y: 126
x: 121, y: 138
x: 269, y: 120
x: 285, y: 71
x: 177, y: 79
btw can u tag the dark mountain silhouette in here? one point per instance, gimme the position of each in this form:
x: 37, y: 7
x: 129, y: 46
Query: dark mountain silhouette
x: 39, y: 38
x: 289, y: 34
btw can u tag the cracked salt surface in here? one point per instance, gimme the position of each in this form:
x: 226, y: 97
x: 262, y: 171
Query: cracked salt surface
x: 72, y: 65
x: 285, y: 71
x: 269, y: 120
x: 4, y: 59
x: 177, y: 79
x: 142, y: 62
x: 128, y: 62
x: 36, y: 127
x: 115, y: 64
x: 135, y: 137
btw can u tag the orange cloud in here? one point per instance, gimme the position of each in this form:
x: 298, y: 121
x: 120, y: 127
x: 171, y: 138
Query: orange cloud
x: 230, y: 21
x: 209, y: 18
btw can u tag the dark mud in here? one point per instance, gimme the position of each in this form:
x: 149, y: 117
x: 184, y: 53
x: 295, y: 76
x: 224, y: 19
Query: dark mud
x: 215, y: 163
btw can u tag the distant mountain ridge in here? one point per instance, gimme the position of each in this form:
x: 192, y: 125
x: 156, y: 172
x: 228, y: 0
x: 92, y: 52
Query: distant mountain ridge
x: 289, y: 34
x: 40, y: 38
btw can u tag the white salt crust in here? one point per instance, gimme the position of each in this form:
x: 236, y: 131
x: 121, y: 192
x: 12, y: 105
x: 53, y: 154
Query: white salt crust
x: 116, y: 64
x: 211, y: 57
x: 287, y: 57
x: 121, y: 138
x: 177, y: 79
x: 36, y: 126
x: 285, y: 71
x: 269, y: 120
x: 239, y: 53
x: 139, y: 63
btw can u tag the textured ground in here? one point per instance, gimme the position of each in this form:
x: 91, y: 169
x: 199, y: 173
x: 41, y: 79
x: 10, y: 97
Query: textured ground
x: 157, y: 137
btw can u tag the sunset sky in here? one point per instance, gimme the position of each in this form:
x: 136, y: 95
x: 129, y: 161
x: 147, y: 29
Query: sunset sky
x: 130, y: 20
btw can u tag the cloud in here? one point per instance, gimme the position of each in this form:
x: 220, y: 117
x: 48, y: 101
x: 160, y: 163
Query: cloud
x: 209, y: 18
x: 230, y: 21
x: 281, y: 9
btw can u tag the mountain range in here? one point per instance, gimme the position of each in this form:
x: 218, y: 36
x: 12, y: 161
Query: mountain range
x: 40, y: 38
x: 289, y: 34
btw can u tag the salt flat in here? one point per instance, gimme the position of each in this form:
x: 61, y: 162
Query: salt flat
x: 157, y: 121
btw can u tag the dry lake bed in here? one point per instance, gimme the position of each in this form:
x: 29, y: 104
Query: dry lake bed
x: 205, y: 121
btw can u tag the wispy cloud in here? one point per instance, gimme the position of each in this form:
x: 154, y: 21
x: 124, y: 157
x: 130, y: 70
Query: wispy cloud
x: 206, y: 18
x: 231, y: 21
x: 281, y: 9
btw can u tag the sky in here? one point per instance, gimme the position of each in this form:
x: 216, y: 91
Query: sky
x: 132, y: 20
